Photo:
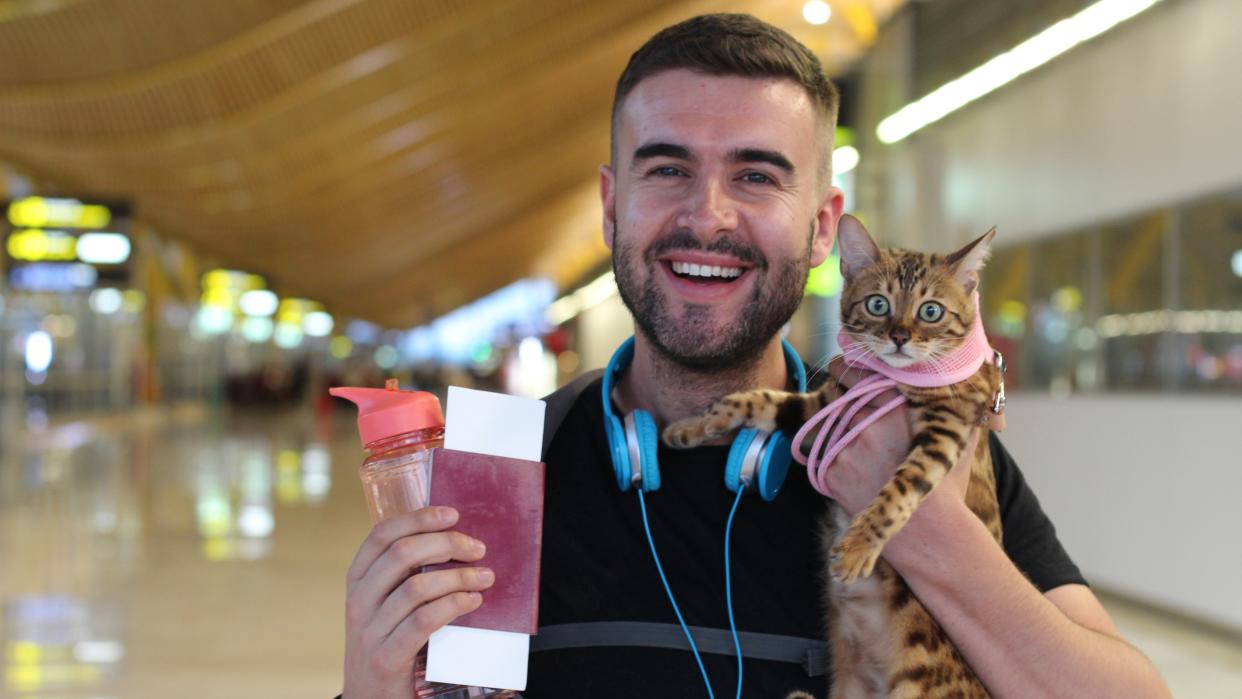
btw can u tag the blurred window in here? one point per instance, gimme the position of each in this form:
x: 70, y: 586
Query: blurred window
x: 1132, y: 300
x: 1209, y: 289
x: 1151, y: 303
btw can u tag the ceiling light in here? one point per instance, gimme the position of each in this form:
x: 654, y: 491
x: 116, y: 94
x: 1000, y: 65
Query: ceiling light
x: 1236, y: 262
x: 38, y: 352
x: 317, y: 324
x: 1024, y: 57
x: 341, y: 347
x: 288, y: 336
x: 386, y: 356
x: 257, y: 330
x: 103, y: 248
x: 106, y: 301
x: 816, y: 12
x: 844, y: 159
x: 598, y: 291
x: 213, y: 320
x: 259, y: 302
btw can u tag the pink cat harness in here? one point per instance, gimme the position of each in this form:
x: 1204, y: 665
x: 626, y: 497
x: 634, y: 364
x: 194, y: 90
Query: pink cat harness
x: 837, y: 415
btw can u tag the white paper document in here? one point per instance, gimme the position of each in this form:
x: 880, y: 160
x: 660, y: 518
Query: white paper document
x: 499, y: 425
x: 494, y: 423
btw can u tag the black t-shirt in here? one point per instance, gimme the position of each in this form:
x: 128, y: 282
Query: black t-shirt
x: 597, y: 565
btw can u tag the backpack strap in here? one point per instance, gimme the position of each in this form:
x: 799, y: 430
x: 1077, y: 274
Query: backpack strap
x: 560, y: 402
x: 810, y: 653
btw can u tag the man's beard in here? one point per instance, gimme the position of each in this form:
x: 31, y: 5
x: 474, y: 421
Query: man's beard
x: 692, y: 341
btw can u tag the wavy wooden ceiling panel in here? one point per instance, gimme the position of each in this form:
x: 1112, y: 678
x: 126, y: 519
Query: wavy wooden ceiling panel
x: 392, y: 158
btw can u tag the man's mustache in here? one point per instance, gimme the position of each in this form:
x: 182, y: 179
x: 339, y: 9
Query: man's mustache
x: 683, y: 239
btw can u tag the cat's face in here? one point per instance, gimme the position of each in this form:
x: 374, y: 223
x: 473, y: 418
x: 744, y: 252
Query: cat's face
x: 907, y: 307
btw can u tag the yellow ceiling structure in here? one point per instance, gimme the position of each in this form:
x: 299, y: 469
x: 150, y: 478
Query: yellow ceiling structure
x: 391, y: 158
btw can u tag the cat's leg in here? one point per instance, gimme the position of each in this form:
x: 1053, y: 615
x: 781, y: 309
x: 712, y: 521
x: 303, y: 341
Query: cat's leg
x: 761, y: 409
x: 939, y: 438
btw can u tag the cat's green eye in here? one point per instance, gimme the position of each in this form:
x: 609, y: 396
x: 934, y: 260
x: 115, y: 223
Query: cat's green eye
x: 931, y: 312
x: 877, y: 305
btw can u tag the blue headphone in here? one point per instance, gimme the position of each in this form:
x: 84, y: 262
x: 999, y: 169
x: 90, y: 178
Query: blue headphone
x: 756, y: 457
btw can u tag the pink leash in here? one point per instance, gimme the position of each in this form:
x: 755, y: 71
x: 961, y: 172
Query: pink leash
x: 837, y: 415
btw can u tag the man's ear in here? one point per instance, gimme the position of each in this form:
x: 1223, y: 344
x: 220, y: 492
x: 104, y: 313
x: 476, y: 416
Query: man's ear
x: 825, y: 225
x: 608, y: 198
x: 858, y: 250
x: 967, y: 262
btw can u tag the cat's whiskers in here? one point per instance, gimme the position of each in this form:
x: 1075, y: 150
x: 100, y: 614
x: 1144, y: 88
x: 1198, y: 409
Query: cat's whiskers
x: 822, y: 366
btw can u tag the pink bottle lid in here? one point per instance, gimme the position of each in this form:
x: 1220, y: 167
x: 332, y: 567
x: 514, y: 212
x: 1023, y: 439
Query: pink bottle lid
x: 386, y: 412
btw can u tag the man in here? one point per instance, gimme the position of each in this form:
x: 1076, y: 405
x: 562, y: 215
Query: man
x: 716, y: 204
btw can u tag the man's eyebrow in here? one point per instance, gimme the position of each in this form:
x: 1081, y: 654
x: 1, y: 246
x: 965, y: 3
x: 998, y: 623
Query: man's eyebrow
x: 760, y: 155
x: 659, y: 150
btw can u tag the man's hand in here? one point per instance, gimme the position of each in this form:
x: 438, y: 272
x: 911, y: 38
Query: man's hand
x: 862, y: 468
x: 391, y: 608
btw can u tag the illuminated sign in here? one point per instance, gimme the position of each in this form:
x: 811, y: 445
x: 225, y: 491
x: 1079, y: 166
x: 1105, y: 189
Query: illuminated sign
x: 223, y: 288
x: 40, y: 212
x: 36, y: 245
x: 39, y: 245
x: 52, y: 276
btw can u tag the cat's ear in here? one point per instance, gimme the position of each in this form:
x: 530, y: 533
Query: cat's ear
x: 858, y: 250
x: 967, y: 262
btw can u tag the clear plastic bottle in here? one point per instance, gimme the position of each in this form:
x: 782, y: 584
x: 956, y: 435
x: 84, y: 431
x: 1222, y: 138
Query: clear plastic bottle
x: 399, y: 429
x: 396, y: 476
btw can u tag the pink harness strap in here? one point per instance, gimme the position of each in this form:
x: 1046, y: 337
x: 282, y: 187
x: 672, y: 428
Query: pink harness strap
x: 837, y: 415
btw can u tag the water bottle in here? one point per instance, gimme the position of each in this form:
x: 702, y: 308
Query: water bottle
x: 399, y: 429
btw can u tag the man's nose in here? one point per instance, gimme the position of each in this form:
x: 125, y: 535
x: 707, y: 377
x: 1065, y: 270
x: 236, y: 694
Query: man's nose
x: 710, y: 209
x: 900, y: 336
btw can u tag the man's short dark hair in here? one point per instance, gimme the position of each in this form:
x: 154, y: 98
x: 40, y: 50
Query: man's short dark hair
x: 730, y: 45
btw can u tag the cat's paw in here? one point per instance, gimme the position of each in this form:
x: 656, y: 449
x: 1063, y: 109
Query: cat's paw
x: 687, y: 433
x: 854, y: 556
x: 720, y: 419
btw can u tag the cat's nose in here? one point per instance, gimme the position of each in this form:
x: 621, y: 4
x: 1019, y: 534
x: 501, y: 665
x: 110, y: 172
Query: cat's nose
x: 899, y: 336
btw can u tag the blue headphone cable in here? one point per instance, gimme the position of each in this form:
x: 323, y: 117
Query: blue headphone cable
x: 642, y: 503
x: 737, y: 645
x: 693, y: 648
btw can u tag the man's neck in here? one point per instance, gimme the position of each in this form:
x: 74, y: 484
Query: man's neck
x: 671, y: 392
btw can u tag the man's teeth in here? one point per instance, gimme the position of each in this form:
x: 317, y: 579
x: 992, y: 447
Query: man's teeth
x: 694, y: 270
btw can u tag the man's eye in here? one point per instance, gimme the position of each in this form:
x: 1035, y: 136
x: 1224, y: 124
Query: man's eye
x: 666, y: 171
x: 757, y: 178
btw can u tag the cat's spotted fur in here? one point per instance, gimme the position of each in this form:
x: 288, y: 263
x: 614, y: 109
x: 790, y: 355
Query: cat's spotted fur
x: 884, y: 643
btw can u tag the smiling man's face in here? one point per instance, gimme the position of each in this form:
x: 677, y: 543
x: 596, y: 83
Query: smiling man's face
x: 715, y: 211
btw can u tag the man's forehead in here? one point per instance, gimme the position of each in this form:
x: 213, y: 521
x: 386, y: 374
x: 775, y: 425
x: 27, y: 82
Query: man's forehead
x: 764, y: 112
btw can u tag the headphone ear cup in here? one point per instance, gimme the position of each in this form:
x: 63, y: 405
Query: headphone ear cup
x: 774, y: 466
x: 736, y: 462
x: 620, y: 451
x: 648, y: 444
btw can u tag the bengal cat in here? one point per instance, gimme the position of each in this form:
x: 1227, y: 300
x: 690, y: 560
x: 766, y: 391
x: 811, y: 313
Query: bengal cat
x: 903, y: 307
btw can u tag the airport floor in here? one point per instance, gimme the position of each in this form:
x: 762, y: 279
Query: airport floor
x: 185, y: 552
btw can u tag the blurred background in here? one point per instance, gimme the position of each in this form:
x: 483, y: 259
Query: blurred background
x: 212, y: 211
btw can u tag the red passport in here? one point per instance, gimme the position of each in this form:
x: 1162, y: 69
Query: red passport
x: 500, y: 501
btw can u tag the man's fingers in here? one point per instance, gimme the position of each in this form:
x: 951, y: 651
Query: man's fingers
x: 406, y: 556
x: 384, y: 534
x: 412, y: 633
x: 420, y: 589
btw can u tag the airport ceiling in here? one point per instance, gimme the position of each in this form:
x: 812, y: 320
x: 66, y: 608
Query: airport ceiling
x: 393, y: 159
